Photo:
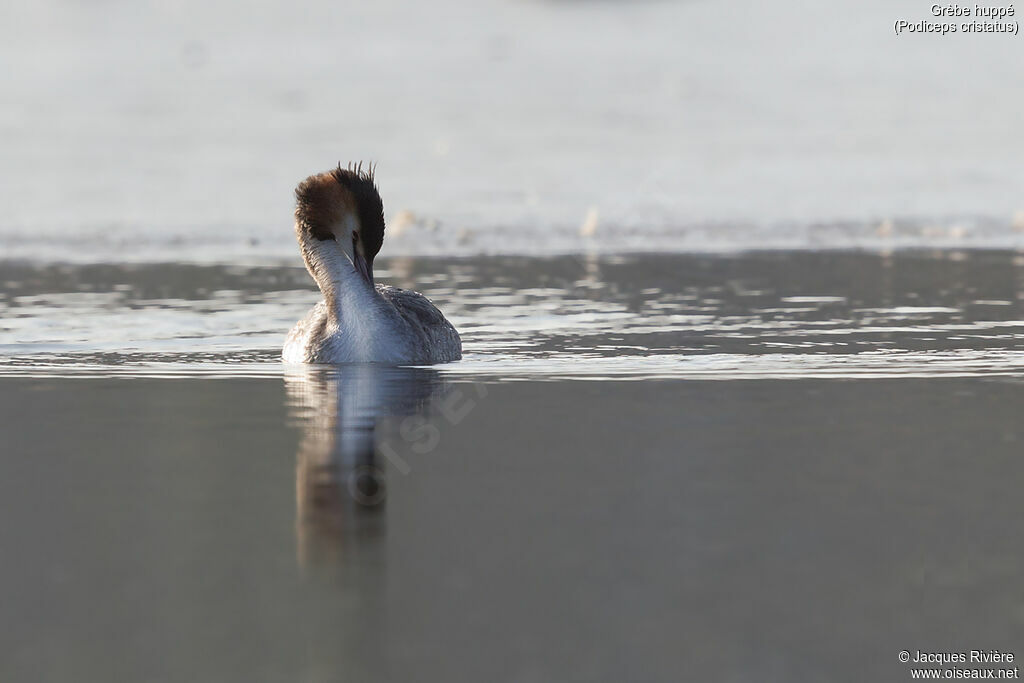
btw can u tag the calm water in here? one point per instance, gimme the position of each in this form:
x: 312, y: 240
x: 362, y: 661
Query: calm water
x: 774, y: 467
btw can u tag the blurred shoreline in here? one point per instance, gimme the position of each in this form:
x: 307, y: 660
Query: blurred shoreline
x: 505, y: 127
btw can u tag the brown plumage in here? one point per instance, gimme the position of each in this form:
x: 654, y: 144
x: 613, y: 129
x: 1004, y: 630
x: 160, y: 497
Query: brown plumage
x: 322, y: 200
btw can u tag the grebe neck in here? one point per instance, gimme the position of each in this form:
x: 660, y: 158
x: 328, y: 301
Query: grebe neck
x: 345, y: 290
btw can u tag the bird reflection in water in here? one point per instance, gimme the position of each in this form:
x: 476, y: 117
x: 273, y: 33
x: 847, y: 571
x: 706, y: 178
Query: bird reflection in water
x: 340, y: 482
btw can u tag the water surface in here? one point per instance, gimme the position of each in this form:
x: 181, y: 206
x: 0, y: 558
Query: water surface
x: 762, y: 314
x: 778, y: 466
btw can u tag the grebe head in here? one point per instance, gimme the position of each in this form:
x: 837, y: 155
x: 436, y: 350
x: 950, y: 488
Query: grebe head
x: 343, y: 206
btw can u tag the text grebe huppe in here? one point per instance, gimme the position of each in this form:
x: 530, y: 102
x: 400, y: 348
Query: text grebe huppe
x: 339, y: 222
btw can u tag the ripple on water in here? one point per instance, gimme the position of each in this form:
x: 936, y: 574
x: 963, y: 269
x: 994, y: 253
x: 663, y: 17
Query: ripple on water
x: 764, y: 315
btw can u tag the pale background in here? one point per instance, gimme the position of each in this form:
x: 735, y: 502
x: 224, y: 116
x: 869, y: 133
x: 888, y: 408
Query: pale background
x: 502, y: 124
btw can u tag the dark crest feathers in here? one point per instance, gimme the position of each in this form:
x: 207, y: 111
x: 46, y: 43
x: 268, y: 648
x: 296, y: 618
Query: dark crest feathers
x: 312, y: 194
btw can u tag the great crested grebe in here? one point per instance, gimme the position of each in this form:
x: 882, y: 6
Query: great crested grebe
x: 339, y: 222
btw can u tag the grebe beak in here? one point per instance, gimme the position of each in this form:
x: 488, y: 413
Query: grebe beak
x: 362, y: 267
